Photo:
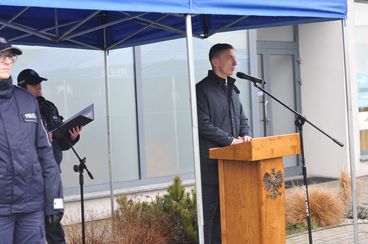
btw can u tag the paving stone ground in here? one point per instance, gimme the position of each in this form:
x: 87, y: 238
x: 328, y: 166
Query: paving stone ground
x: 341, y: 234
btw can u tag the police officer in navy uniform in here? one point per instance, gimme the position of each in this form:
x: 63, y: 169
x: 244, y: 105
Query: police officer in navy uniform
x: 31, y: 81
x: 30, y: 183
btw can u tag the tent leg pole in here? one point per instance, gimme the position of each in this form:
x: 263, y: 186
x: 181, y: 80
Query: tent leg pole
x: 193, y: 103
x: 350, y: 130
x: 108, y: 123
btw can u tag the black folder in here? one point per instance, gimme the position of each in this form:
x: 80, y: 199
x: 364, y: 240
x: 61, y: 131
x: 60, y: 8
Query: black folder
x: 82, y: 118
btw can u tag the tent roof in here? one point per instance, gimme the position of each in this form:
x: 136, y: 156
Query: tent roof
x: 109, y: 24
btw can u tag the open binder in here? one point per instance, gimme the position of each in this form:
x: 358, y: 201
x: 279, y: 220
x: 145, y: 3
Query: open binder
x: 81, y: 118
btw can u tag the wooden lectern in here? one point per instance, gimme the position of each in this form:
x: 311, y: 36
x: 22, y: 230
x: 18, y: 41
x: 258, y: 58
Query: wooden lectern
x: 252, y: 191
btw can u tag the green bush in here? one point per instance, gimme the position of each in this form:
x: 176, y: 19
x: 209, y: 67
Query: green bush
x: 173, y: 216
x: 181, y: 207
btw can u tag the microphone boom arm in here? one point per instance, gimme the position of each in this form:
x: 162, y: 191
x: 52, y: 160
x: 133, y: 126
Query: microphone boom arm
x: 299, y: 115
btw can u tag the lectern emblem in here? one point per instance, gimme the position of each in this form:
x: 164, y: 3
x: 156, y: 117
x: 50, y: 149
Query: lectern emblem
x: 273, y: 183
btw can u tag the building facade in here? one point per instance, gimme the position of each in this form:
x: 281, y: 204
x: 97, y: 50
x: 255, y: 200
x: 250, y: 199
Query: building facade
x: 141, y: 136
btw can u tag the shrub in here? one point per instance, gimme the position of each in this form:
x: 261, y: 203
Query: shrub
x: 170, y: 218
x: 96, y: 231
x: 140, y: 222
x: 345, y: 187
x: 325, y: 208
x: 362, y: 212
x: 180, y: 206
x: 296, y: 228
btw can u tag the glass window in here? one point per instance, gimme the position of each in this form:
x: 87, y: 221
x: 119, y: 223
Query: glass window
x: 123, y: 116
x: 165, y: 93
x: 361, y: 33
x: 154, y: 105
x: 166, y: 109
x: 75, y: 80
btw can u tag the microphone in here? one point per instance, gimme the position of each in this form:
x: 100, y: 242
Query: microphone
x: 251, y: 78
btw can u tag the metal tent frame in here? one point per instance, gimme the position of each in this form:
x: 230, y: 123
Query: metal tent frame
x: 109, y: 24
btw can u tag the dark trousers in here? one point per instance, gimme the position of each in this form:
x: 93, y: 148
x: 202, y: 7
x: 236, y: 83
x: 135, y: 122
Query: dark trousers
x: 22, y: 228
x: 211, y: 214
x: 54, y: 233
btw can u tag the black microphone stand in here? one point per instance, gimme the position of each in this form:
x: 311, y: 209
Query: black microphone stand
x: 299, y: 122
x: 78, y: 168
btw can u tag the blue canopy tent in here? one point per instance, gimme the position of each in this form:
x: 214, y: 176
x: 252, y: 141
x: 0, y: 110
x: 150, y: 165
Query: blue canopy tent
x: 110, y: 24
x: 81, y: 24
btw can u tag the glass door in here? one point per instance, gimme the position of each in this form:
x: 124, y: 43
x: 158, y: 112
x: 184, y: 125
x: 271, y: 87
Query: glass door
x: 280, y: 68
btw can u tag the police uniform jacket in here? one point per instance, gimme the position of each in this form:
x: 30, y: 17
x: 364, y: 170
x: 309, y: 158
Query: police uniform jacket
x: 221, y: 118
x: 29, y: 176
x: 52, y: 120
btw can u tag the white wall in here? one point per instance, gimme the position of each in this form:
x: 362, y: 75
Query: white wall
x: 361, y: 167
x: 323, y: 97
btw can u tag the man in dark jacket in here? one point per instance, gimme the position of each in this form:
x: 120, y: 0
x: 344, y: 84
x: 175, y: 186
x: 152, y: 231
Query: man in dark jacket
x: 221, y: 122
x: 31, y: 81
x: 30, y: 183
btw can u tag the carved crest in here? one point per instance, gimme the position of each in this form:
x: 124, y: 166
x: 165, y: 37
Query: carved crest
x: 273, y: 183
